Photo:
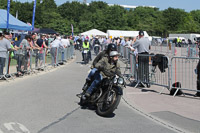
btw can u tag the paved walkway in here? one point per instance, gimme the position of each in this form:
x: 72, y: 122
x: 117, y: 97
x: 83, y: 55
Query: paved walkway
x: 180, y: 111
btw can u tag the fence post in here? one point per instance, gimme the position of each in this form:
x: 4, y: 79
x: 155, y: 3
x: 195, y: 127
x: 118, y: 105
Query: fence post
x: 31, y: 52
x: 44, y: 58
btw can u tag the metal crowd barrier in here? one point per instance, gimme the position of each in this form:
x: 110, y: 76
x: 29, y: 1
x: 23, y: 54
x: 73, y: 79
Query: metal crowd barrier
x: 143, y: 72
x: 30, y: 61
x: 167, y: 49
x: 4, y: 66
x: 190, y: 50
x: 170, y: 70
x: 184, y: 71
x: 146, y: 71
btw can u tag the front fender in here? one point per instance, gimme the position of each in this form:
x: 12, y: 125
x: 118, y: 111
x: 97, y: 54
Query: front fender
x: 119, y: 90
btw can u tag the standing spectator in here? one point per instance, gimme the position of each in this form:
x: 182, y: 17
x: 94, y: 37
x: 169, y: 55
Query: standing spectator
x: 4, y: 48
x: 179, y: 41
x: 35, y: 48
x: 71, y: 40
x: 65, y: 44
x: 54, y: 46
x: 143, y: 46
x: 41, y: 43
x: 198, y: 73
x: 23, y: 55
x: 123, y: 43
x: 128, y: 42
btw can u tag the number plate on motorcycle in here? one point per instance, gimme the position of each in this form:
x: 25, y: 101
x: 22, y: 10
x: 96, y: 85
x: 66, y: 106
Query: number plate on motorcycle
x: 85, y: 51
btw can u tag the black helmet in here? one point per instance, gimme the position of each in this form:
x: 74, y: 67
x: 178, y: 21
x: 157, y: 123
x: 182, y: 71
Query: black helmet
x: 112, y: 47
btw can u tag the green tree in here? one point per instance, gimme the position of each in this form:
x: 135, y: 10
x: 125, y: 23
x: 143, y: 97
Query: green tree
x: 3, y: 4
x: 173, y: 18
x: 115, y: 18
x: 72, y: 11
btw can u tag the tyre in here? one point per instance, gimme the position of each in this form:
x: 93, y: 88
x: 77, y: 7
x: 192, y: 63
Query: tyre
x: 96, y: 50
x: 108, y: 103
x: 85, y: 58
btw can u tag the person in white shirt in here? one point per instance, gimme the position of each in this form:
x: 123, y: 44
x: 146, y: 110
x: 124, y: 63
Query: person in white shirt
x: 54, y: 48
x: 4, y: 48
x: 65, y: 44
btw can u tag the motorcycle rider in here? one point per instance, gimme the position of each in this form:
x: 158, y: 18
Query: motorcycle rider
x: 107, y: 67
x: 96, y: 44
x: 96, y: 41
x: 105, y: 53
x: 86, y: 45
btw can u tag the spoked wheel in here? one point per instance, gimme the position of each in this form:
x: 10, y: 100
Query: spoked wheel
x: 108, y: 103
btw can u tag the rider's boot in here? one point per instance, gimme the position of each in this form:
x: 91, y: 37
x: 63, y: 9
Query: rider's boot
x: 86, y: 85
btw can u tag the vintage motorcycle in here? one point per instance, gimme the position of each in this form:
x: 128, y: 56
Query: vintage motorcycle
x: 106, y: 96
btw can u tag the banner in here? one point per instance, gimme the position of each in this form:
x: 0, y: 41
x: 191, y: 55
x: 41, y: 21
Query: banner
x: 33, y: 19
x: 8, y: 11
x: 72, y: 30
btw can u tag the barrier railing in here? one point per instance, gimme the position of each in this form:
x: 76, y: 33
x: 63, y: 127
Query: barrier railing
x: 184, y: 71
x: 150, y: 70
x: 167, y: 49
x: 157, y: 69
x: 29, y: 61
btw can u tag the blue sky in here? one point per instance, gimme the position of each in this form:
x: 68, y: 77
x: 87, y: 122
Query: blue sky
x: 187, y: 5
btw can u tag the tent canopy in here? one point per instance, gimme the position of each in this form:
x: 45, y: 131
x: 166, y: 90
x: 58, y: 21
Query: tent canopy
x: 94, y: 32
x: 120, y: 33
x: 14, y: 23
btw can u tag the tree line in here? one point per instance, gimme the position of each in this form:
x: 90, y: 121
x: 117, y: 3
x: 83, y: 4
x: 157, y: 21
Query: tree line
x: 101, y: 16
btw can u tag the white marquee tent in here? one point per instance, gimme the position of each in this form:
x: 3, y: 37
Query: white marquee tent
x: 94, y: 32
x: 120, y: 33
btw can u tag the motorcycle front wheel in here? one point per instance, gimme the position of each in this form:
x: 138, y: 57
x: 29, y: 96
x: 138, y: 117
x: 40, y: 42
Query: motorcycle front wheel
x: 108, y: 103
x: 85, y: 58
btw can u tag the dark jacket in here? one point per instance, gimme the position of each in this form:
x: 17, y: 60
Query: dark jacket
x: 107, y: 68
x: 96, y: 41
x: 161, y: 61
x: 99, y: 57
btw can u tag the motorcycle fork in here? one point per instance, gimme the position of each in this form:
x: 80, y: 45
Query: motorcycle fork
x: 108, y: 98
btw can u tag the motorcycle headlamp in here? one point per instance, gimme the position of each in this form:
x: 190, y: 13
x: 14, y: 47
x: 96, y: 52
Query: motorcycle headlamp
x: 120, y: 81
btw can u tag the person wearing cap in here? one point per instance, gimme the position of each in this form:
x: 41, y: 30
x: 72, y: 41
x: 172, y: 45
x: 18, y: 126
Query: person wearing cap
x: 4, y: 48
x: 107, y: 67
x: 143, y: 46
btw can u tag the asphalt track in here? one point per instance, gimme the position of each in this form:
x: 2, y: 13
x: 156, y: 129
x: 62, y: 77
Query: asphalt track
x: 47, y: 103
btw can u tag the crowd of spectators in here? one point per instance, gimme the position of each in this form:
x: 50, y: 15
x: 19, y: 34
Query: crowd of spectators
x: 21, y: 46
